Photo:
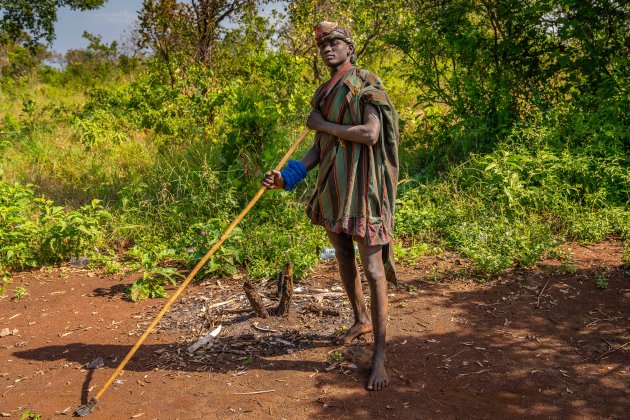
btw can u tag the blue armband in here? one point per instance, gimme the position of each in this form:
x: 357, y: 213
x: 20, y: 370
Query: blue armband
x: 294, y: 172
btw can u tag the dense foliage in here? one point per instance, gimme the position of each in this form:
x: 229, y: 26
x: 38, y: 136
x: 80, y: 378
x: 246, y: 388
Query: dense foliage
x: 514, y: 134
x: 35, y: 231
x: 35, y: 18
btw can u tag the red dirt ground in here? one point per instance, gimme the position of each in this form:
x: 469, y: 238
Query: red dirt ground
x: 543, y: 342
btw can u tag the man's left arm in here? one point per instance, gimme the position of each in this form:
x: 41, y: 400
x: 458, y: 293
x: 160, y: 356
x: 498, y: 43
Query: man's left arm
x: 366, y: 133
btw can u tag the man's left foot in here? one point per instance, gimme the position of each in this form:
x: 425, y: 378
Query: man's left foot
x: 355, y: 331
x: 378, y: 377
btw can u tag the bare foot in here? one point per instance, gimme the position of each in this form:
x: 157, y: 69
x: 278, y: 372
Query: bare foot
x: 357, y: 330
x: 378, y: 376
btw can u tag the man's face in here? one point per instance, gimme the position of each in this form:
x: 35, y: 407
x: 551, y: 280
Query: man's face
x: 335, y: 52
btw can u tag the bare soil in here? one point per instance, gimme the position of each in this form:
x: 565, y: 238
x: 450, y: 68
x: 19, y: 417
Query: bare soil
x: 541, y: 342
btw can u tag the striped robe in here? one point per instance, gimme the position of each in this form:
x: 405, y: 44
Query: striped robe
x: 356, y: 183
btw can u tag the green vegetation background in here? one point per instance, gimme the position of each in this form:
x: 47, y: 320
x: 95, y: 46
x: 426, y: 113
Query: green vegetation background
x: 514, y: 135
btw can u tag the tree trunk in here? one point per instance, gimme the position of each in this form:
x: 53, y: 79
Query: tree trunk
x: 255, y: 300
x: 285, y: 288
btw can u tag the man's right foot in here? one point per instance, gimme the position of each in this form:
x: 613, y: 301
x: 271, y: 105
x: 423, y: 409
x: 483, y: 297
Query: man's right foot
x: 378, y: 375
x: 357, y: 330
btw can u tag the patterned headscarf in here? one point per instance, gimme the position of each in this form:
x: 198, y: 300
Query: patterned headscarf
x: 326, y: 31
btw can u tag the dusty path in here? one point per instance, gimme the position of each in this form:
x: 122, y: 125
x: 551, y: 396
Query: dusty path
x: 542, y: 342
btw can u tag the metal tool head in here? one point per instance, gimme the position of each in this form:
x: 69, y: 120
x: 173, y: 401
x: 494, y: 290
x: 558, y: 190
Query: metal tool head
x: 85, y: 409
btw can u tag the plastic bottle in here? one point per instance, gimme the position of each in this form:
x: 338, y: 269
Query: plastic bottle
x: 327, y: 253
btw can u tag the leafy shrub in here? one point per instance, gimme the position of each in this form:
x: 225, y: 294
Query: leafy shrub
x: 101, y: 127
x: 252, y: 136
x: 154, y: 276
x: 495, y: 243
x: 69, y: 233
x: 34, y: 231
x: 562, y: 177
x: 408, y: 255
x: 225, y: 260
x: 277, y: 233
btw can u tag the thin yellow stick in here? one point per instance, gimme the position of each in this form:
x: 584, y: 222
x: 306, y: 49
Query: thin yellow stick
x: 195, y: 270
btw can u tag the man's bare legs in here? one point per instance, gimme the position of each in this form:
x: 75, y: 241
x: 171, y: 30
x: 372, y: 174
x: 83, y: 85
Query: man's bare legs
x: 372, y: 260
x: 349, y: 273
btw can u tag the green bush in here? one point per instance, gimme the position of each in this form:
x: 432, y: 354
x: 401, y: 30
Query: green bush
x: 154, y: 276
x: 34, y: 231
x: 564, y: 177
x: 279, y: 232
x: 509, y: 147
x: 200, y: 239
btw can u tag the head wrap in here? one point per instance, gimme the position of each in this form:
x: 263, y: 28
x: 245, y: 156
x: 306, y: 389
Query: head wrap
x: 326, y: 31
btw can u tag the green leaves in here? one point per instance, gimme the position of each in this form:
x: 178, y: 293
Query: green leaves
x: 226, y: 259
x: 33, y: 231
x: 36, y: 18
x: 278, y: 233
x: 562, y: 177
x: 500, y: 62
x: 154, y: 275
x: 69, y: 233
x: 513, y: 133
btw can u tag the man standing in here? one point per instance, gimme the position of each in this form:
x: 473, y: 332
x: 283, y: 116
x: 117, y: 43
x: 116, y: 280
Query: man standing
x: 356, y: 148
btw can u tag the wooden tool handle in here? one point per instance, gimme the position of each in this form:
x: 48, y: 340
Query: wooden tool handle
x: 195, y: 270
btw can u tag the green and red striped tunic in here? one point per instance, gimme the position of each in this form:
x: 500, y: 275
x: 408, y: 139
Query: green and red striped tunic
x: 356, y: 183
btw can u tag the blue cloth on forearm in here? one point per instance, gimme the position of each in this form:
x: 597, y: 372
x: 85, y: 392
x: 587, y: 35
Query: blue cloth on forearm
x: 294, y: 172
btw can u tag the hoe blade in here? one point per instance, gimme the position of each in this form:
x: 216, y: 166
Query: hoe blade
x: 85, y: 409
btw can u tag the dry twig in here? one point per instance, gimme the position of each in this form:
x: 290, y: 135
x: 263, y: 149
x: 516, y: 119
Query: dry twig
x: 613, y: 350
x: 255, y: 392
x: 435, y: 401
x: 540, y: 294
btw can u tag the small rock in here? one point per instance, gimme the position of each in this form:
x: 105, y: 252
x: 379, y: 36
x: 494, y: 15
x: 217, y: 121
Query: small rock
x: 6, y: 332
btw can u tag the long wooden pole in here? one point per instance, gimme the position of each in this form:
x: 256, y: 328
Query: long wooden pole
x: 194, y: 272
